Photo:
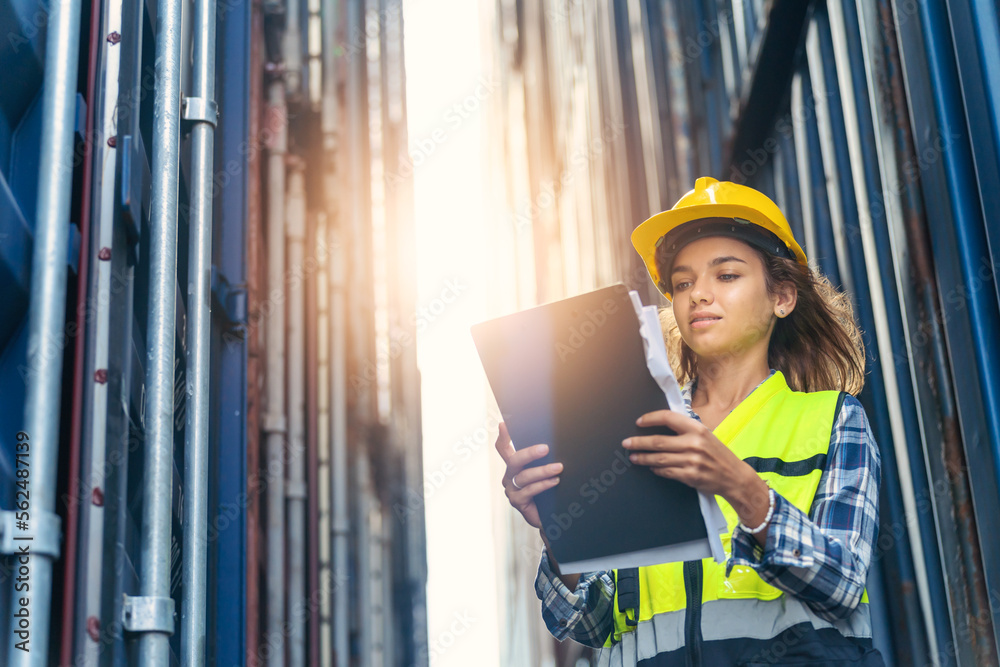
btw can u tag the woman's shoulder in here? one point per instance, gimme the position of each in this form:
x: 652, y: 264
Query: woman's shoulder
x: 850, y: 408
x: 852, y: 435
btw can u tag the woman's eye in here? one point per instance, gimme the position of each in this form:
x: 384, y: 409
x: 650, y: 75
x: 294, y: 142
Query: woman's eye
x: 731, y: 275
x: 679, y: 286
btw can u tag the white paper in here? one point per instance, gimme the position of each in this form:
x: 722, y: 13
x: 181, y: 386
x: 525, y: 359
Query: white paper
x: 659, y: 368
x: 656, y: 353
x: 693, y: 550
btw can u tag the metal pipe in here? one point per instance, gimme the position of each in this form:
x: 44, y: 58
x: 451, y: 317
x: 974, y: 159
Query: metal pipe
x: 292, y: 48
x: 338, y: 527
x: 295, y: 489
x: 154, y: 646
x: 323, y: 546
x: 201, y: 108
x: 47, y: 314
x: 363, y: 507
x: 360, y: 316
x: 330, y: 110
x: 274, y: 420
x: 341, y: 528
x: 315, y: 241
x: 406, y: 537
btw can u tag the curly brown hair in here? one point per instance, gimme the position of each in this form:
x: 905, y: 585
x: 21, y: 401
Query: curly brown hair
x: 817, y: 347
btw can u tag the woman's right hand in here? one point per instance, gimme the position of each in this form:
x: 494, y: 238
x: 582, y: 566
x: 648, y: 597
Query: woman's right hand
x: 531, y: 481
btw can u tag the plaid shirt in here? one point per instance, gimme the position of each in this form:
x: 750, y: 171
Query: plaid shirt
x: 821, y: 558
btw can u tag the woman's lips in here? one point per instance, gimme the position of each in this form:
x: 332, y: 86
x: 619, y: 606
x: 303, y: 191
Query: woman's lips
x: 701, y: 324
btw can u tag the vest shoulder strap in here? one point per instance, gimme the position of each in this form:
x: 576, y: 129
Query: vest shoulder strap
x: 627, y: 589
x: 840, y: 402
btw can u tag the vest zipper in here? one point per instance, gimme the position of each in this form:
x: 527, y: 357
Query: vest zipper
x: 693, y: 575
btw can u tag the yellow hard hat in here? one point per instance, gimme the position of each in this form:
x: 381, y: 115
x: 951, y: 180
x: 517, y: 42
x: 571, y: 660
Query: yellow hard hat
x: 713, y: 208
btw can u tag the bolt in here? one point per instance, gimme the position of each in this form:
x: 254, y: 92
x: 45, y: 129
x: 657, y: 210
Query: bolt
x: 114, y: 37
x: 113, y: 141
x: 101, y: 375
x: 104, y: 254
x: 94, y: 628
x: 97, y: 496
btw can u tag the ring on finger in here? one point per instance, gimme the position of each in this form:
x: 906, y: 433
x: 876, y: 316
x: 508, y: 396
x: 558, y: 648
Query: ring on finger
x: 513, y: 480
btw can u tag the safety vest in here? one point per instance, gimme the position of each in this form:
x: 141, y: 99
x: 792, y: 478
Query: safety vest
x: 692, y: 613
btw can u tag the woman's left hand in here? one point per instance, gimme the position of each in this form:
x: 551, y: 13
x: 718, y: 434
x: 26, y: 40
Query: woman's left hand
x: 693, y: 456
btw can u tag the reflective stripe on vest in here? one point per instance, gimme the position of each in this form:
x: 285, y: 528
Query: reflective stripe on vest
x: 723, y: 620
x: 785, y: 436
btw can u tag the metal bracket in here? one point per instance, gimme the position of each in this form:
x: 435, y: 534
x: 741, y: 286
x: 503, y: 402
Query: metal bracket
x: 295, y: 489
x: 147, y: 614
x: 232, y: 298
x: 274, y: 423
x: 201, y: 110
x: 42, y: 537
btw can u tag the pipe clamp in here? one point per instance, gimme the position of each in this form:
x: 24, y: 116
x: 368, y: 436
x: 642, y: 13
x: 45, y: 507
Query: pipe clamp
x: 274, y: 423
x: 296, y: 489
x: 201, y: 110
x: 39, y: 536
x: 147, y: 614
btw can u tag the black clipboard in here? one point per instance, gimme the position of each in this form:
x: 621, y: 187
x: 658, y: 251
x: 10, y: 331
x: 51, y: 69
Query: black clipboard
x: 572, y: 374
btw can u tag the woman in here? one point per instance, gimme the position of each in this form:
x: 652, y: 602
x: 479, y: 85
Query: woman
x: 770, y: 359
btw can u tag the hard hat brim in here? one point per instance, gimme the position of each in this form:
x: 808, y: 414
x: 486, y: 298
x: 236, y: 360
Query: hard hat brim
x: 646, y: 235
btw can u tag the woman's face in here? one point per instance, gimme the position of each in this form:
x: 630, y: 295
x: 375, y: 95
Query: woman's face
x: 722, y: 279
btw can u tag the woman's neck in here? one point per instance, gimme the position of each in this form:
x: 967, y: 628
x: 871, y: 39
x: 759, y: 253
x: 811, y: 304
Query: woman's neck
x: 722, y: 385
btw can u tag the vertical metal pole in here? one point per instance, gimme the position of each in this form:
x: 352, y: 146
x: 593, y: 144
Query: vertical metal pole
x: 154, y: 645
x: 201, y: 108
x: 341, y: 527
x: 295, y: 488
x: 363, y: 507
x: 359, y: 318
x: 45, y: 324
x: 292, y: 49
x: 403, y: 369
x: 340, y: 520
x: 324, y: 529
x: 274, y: 420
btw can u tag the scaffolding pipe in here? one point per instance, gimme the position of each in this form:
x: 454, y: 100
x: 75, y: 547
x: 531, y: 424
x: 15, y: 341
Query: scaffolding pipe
x: 154, y: 643
x: 40, y: 449
x: 339, y: 525
x: 292, y: 48
x: 403, y: 374
x: 295, y: 488
x: 359, y: 320
x: 330, y: 115
x: 314, y: 546
x: 324, y: 529
x: 274, y: 419
x: 201, y: 109
x: 368, y: 619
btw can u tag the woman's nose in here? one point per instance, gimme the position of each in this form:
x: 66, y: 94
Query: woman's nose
x: 699, y: 292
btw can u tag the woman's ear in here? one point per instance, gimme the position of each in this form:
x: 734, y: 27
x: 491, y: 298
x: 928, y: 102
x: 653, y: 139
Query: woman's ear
x: 787, y: 297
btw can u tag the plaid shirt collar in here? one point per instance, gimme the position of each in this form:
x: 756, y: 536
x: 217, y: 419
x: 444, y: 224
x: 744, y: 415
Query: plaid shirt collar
x: 687, y: 392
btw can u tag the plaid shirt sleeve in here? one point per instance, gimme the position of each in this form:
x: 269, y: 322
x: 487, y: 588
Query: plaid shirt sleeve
x: 583, y: 615
x: 823, y: 558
